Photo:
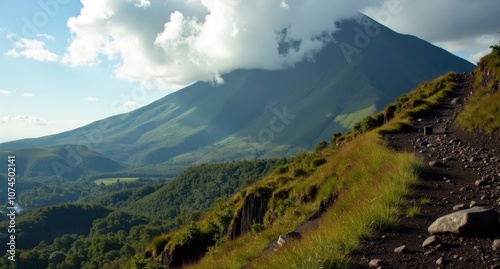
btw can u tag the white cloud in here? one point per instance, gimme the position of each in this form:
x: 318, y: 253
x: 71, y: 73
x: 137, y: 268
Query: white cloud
x: 32, y: 49
x: 33, y: 121
x: 284, y: 5
x: 143, y: 3
x: 28, y: 95
x: 4, y: 92
x: 47, y: 36
x: 174, y: 43
x: 91, y: 99
x: 130, y: 105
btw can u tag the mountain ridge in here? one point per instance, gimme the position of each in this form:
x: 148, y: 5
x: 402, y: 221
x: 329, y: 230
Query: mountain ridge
x: 202, y: 123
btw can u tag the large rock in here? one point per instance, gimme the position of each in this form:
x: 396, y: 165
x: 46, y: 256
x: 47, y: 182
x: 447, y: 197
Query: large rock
x: 252, y: 212
x: 287, y: 237
x: 474, y: 220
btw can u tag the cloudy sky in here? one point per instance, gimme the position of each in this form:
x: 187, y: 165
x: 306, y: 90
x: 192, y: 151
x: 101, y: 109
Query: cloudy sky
x: 66, y: 63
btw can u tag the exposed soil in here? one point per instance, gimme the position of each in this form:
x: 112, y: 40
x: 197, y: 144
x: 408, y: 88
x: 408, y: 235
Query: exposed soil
x: 464, y: 158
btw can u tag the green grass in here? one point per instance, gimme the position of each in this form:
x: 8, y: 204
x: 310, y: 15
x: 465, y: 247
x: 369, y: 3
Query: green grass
x: 412, y: 210
x: 371, y: 182
x: 482, y: 112
x: 374, y: 187
x: 424, y: 201
x: 109, y: 181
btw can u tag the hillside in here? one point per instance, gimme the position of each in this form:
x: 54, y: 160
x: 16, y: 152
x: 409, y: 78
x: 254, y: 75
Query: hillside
x: 62, y: 162
x: 467, y: 177
x: 258, y: 113
x: 341, y: 200
x: 336, y: 206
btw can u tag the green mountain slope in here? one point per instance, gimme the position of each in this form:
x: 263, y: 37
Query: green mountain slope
x: 258, y: 113
x: 55, y: 161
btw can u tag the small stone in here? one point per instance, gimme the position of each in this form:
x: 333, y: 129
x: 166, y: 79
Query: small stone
x: 376, y: 263
x: 401, y: 249
x: 481, y: 182
x: 440, y: 247
x: 460, y: 207
x: 436, y: 164
x: 496, y: 245
x: 440, y: 261
x: 431, y: 241
x: 428, y: 252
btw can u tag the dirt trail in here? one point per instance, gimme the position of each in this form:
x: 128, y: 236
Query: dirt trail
x: 465, y: 158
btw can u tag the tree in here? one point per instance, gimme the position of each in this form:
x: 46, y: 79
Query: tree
x: 496, y: 49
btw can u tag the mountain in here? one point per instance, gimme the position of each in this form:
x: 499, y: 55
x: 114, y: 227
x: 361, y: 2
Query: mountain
x: 260, y: 113
x: 55, y: 161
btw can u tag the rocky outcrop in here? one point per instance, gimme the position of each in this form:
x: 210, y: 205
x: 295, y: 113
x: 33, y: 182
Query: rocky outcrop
x: 178, y: 255
x: 474, y: 220
x: 287, y: 237
x: 252, y: 212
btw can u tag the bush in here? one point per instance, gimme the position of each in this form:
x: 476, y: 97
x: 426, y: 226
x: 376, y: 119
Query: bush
x: 321, y: 146
x: 283, y: 169
x: 298, y: 172
x: 319, y: 162
x: 366, y: 124
x: 256, y: 227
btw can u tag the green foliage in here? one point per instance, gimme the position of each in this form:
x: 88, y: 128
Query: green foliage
x: 45, y: 223
x: 298, y: 172
x: 220, y: 220
x: 495, y: 50
x: 198, y: 187
x: 412, y: 211
x: 140, y: 263
x: 256, y: 228
x: 190, y: 235
x: 365, y: 125
x: 53, y: 192
x: 115, y: 222
x: 482, y: 110
x: 320, y: 146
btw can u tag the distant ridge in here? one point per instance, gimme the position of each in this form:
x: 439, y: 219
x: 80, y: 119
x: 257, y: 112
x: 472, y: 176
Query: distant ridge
x: 259, y: 113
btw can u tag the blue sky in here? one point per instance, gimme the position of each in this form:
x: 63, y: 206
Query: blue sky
x: 66, y: 63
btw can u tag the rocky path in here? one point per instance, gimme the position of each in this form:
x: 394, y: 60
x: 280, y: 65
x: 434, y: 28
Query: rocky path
x: 464, y: 171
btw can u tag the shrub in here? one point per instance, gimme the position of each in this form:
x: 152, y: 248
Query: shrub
x: 319, y: 162
x: 298, y: 172
x: 321, y: 146
x: 366, y: 124
x: 256, y: 228
x: 283, y: 169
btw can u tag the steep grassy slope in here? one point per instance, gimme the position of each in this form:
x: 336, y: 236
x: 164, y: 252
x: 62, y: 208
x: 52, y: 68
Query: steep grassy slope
x: 483, y: 110
x: 258, y: 113
x: 361, y: 182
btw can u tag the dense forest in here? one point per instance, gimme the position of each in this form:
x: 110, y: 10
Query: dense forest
x: 81, y: 224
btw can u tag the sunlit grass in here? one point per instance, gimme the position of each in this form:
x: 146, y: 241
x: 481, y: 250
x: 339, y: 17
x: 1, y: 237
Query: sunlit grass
x: 482, y: 112
x: 109, y: 181
x: 371, y: 182
x: 375, y: 184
